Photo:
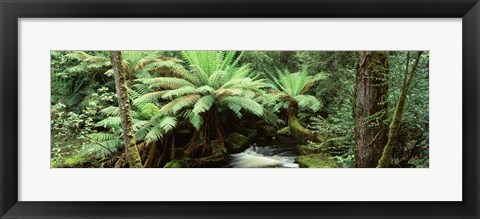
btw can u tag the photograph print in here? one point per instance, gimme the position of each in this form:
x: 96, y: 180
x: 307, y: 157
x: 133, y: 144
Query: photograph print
x: 239, y: 109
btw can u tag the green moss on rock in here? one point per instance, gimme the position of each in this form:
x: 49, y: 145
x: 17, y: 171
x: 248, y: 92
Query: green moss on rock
x: 316, y: 161
x: 284, y: 131
x: 236, y: 142
x: 311, y: 148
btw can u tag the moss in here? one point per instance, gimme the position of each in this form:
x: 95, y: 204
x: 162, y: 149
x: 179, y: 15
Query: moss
x: 236, y: 142
x: 284, y: 131
x: 174, y: 164
x: 316, y: 161
x: 299, y: 132
x: 311, y: 148
x: 72, y: 161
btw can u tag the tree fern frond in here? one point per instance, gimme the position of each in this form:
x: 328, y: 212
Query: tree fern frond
x: 78, y: 55
x: 142, y: 89
x: 193, y: 118
x: 152, y: 97
x: 110, y: 111
x: 155, y: 134
x: 140, y: 125
x: 165, y: 82
x: 141, y: 133
x: 219, y: 93
x: 110, y: 122
x: 205, y: 89
x: 246, y: 104
x: 168, y: 123
x: 217, y: 78
x: 102, y: 149
x: 227, y: 60
x: 308, y: 101
x: 180, y: 92
x: 177, y: 104
x: 203, y: 104
x: 183, y: 102
x: 100, y: 136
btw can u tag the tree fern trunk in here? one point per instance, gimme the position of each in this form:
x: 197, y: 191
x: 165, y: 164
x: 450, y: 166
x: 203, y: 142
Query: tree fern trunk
x: 151, y: 155
x: 133, y: 156
x: 299, y: 132
x: 397, y: 116
x: 370, y: 96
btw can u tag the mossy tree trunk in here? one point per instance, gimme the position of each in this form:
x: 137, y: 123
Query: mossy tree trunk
x: 299, y: 132
x: 397, y: 115
x: 370, y: 107
x: 131, y: 149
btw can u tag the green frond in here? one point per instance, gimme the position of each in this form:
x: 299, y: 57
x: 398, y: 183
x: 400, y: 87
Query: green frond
x: 183, y: 102
x: 110, y: 122
x: 168, y: 123
x: 219, y: 93
x: 78, y: 55
x: 280, y: 105
x: 110, y: 111
x: 100, y: 136
x: 227, y: 60
x: 165, y: 82
x: 180, y: 92
x: 141, y: 133
x: 291, y: 84
x: 249, y: 105
x: 235, y: 108
x: 140, y: 125
x: 242, y: 72
x: 152, y: 97
x: 270, y: 117
x: 203, y: 104
x: 103, y: 149
x: 177, y: 104
x: 237, y: 60
x: 141, y: 88
x: 174, y: 68
x: 132, y: 93
x: 205, y: 89
x: 155, y: 134
x: 308, y: 101
x: 217, y: 78
x: 267, y: 99
x: 193, y: 118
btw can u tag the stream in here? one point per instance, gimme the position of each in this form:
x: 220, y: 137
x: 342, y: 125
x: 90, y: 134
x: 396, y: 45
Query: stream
x: 260, y: 156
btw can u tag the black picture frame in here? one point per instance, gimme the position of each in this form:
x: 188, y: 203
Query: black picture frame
x: 12, y: 10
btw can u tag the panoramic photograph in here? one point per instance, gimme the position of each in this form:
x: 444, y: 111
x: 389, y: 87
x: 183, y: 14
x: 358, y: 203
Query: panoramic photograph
x: 239, y: 109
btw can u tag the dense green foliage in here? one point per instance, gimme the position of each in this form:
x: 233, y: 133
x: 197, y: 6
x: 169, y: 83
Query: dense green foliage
x: 192, y: 108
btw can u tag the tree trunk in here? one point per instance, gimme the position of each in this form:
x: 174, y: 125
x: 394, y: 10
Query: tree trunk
x: 131, y: 149
x: 370, y: 107
x: 299, y: 132
x: 397, y: 115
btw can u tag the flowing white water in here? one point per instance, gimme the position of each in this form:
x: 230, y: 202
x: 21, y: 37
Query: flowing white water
x: 265, y: 156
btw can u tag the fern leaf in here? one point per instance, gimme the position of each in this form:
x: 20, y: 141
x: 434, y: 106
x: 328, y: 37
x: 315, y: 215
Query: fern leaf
x: 203, y: 104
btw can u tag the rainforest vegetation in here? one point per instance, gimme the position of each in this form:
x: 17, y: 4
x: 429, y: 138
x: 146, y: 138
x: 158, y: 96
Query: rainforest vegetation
x: 171, y: 109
